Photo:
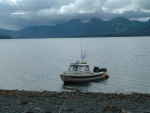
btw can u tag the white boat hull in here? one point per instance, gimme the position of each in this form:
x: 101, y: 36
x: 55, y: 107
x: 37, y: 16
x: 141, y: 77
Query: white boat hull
x: 83, y: 77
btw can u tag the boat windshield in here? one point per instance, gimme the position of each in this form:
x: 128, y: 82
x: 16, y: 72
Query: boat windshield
x: 79, y: 68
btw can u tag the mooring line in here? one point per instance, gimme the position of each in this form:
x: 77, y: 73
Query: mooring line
x: 63, y: 105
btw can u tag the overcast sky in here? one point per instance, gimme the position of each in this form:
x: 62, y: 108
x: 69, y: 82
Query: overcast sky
x: 16, y: 14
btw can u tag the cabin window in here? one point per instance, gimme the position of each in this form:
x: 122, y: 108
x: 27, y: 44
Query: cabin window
x: 72, y: 68
x: 87, y: 68
x: 83, y: 68
x: 78, y: 68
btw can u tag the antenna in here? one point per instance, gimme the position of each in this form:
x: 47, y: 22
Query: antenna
x: 84, y: 54
x: 81, y: 45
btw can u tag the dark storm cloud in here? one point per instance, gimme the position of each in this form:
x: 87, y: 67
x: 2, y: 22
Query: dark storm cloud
x: 20, y: 13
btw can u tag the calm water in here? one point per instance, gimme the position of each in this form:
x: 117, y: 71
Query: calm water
x: 35, y: 64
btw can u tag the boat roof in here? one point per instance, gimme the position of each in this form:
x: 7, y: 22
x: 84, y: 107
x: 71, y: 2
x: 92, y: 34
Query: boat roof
x: 79, y: 64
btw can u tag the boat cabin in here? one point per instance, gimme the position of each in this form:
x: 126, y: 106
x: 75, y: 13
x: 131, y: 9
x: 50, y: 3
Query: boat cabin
x: 78, y: 67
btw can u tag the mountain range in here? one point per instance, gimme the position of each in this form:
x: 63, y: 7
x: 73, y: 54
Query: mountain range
x: 96, y: 27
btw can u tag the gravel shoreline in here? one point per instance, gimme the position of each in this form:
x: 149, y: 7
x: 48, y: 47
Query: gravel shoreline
x: 17, y: 101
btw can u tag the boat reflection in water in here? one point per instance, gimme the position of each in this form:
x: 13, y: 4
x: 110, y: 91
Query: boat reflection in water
x: 82, y: 86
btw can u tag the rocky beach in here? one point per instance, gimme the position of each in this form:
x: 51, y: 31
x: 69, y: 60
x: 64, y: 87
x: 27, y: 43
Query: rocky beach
x: 17, y: 101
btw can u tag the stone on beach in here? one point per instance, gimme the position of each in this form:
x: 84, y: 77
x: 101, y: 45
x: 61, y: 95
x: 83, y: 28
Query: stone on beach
x: 15, y: 101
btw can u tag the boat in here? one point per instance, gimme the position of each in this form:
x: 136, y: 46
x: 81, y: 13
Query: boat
x: 80, y: 72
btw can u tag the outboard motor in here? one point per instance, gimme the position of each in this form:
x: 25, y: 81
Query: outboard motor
x: 103, y: 69
x: 96, y: 69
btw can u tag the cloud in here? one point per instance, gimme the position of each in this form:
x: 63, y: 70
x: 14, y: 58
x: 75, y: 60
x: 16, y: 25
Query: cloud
x: 79, y: 9
x: 21, y: 13
x: 76, y: 8
x: 119, y: 7
x: 143, y: 4
x: 10, y: 2
x: 132, y: 9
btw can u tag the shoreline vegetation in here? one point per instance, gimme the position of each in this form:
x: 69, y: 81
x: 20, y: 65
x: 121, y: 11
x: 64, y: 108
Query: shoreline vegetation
x: 20, y: 101
x: 4, y: 37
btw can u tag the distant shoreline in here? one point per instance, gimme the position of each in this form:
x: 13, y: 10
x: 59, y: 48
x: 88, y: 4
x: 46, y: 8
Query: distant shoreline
x: 96, y: 27
x: 18, y: 101
x: 78, y: 37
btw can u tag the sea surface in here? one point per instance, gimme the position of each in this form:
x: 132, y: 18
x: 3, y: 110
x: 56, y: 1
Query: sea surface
x: 35, y: 64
